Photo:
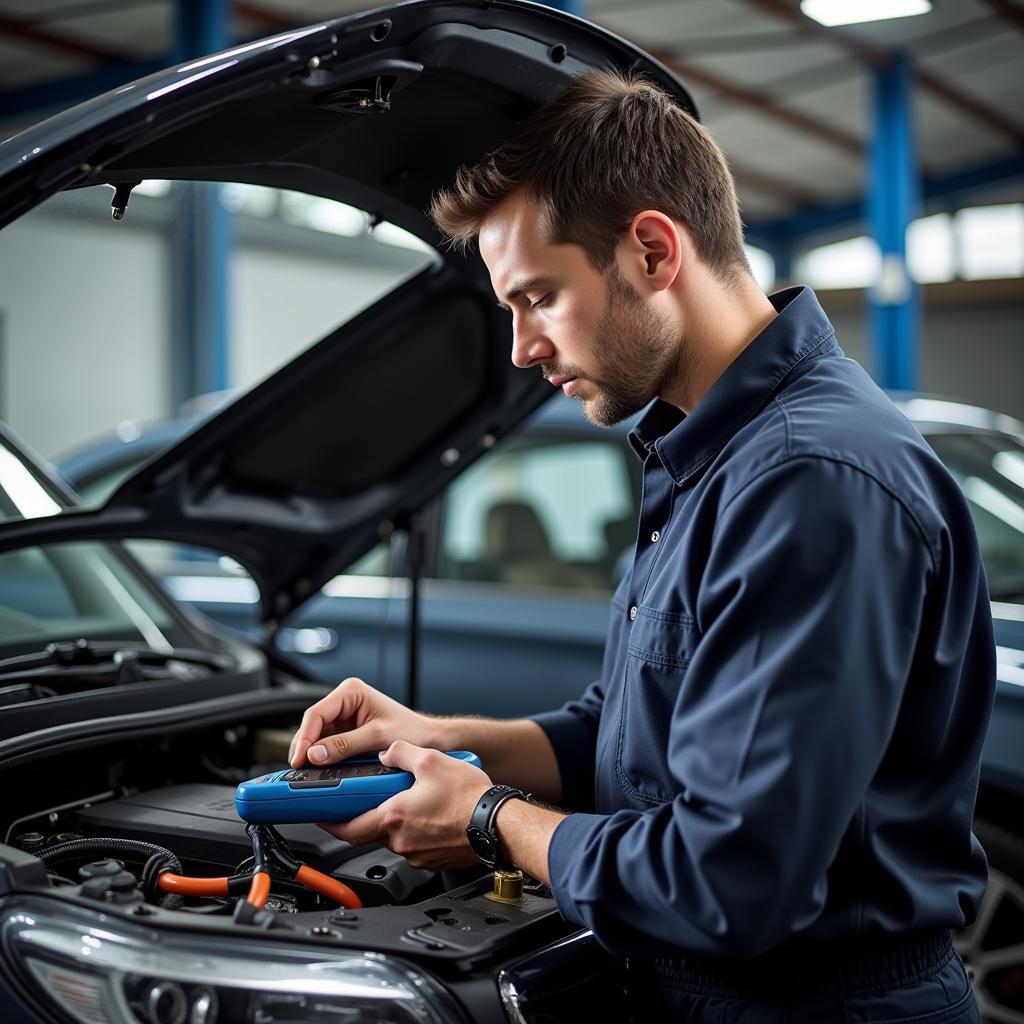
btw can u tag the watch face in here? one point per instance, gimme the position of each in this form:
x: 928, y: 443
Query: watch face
x: 482, y: 845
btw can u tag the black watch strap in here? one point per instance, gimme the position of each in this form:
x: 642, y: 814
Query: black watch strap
x: 483, y: 836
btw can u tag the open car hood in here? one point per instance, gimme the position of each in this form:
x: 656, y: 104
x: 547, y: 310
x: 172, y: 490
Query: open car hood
x: 296, y: 477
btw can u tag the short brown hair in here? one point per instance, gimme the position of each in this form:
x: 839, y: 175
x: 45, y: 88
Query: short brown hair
x: 605, y: 148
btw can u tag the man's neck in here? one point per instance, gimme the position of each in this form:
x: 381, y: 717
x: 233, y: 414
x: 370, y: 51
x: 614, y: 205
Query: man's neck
x: 720, y: 322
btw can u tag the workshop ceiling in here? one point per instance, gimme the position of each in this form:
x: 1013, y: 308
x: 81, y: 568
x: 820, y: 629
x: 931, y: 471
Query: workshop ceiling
x: 788, y: 100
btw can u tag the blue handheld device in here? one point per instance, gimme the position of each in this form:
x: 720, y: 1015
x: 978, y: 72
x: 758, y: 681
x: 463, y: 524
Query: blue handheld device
x: 335, y: 792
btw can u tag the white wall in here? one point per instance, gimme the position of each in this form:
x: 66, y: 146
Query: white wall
x: 281, y: 304
x: 85, y: 315
x: 971, y: 346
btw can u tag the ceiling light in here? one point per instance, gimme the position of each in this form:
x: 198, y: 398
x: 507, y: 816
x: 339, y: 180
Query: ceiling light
x: 852, y: 12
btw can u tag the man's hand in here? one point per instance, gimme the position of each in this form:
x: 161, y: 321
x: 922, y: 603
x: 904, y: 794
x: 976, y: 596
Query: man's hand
x: 427, y: 823
x: 352, y: 719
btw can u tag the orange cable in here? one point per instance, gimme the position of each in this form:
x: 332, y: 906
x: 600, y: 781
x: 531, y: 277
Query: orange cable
x: 185, y: 886
x: 327, y: 886
x: 259, y: 890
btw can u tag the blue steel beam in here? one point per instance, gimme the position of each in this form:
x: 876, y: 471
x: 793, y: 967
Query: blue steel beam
x: 781, y: 251
x: 892, y: 202
x: 201, y: 240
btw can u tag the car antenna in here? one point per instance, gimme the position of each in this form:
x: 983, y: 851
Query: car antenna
x: 122, y: 193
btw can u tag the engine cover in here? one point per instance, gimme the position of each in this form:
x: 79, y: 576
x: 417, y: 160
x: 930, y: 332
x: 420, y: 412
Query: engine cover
x: 199, y: 823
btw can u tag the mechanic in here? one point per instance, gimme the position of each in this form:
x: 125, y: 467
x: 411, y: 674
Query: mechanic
x: 772, y: 784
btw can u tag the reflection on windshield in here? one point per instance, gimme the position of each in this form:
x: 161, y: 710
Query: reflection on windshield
x: 1010, y: 465
x: 992, y: 500
x: 22, y: 496
x: 990, y: 469
x: 70, y: 591
x: 79, y: 590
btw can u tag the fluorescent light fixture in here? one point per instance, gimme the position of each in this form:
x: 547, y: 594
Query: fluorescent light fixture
x: 853, y: 12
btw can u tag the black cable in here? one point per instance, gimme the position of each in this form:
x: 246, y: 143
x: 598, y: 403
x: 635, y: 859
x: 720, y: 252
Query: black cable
x: 162, y: 860
x: 158, y: 858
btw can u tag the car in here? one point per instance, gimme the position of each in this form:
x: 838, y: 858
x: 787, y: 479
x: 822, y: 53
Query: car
x: 129, y: 717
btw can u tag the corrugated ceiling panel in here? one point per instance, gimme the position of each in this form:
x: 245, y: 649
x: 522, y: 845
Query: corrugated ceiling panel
x: 23, y: 65
x: 142, y: 31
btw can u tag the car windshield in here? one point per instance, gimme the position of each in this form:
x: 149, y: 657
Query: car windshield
x: 71, y: 591
x: 989, y: 467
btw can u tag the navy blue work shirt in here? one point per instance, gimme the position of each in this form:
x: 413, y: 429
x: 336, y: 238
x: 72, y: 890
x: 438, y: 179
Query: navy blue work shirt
x: 800, y: 668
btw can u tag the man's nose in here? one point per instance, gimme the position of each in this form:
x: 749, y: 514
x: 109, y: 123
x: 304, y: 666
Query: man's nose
x: 529, y: 346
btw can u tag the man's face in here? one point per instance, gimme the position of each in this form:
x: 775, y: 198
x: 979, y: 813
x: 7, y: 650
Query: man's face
x: 590, y: 332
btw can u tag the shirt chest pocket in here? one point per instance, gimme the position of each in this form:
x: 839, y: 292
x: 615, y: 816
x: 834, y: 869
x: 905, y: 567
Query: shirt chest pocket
x: 659, y: 648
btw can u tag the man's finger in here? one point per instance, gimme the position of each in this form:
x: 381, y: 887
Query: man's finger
x: 329, y: 749
x: 309, y: 732
x: 340, y: 703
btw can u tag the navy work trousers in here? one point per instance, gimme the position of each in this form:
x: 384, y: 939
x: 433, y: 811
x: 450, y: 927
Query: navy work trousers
x: 919, y: 982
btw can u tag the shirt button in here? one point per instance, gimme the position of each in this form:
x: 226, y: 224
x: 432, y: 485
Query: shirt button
x: 655, y: 537
x: 632, y: 613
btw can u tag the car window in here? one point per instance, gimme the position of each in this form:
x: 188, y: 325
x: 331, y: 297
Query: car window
x: 77, y: 590
x: 990, y: 470
x: 30, y: 590
x: 541, y: 513
x: 68, y: 591
x: 95, y: 490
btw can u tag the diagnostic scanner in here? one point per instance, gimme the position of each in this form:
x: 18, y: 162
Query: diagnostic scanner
x: 335, y: 792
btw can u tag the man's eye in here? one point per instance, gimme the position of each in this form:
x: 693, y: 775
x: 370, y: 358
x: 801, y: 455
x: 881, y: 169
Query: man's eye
x: 541, y: 302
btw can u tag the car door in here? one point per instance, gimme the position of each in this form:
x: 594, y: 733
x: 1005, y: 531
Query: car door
x: 532, y: 540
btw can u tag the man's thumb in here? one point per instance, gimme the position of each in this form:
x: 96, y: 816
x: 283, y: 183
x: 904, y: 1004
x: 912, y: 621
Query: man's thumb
x: 398, y: 755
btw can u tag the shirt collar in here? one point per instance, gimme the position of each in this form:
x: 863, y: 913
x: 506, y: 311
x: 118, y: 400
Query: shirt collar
x: 686, y: 443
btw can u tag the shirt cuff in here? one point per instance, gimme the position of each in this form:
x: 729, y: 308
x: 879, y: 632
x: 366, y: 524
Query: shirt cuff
x: 573, y: 744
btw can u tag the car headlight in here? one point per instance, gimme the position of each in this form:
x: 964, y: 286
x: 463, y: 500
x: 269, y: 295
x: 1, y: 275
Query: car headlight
x: 98, y: 968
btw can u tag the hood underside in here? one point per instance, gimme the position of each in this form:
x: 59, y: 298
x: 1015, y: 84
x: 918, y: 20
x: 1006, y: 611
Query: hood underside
x: 297, y: 477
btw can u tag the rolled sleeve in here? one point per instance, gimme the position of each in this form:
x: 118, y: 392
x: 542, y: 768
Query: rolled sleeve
x: 809, y: 610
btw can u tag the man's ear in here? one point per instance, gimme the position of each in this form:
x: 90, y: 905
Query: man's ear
x: 654, y: 242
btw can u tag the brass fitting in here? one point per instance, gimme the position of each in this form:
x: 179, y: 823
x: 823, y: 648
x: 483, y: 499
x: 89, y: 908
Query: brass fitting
x: 508, y: 887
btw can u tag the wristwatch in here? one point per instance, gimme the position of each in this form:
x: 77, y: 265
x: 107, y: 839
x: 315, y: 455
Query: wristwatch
x: 483, y: 839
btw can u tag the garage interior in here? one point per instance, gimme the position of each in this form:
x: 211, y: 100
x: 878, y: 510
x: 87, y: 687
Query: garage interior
x: 882, y: 163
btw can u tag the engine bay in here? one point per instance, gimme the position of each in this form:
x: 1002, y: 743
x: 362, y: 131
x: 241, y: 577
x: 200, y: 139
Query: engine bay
x: 94, y: 815
x: 178, y: 795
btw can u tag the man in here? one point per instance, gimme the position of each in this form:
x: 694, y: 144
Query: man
x: 772, y: 784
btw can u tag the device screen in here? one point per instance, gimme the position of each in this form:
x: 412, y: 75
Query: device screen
x: 336, y: 772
